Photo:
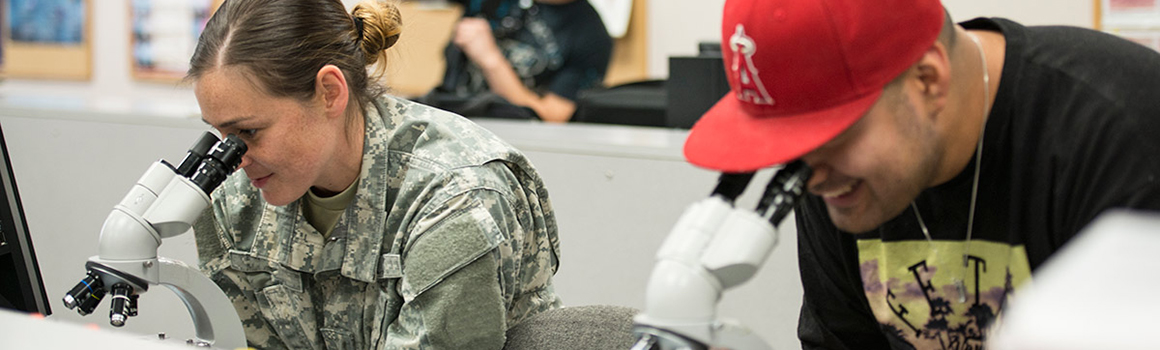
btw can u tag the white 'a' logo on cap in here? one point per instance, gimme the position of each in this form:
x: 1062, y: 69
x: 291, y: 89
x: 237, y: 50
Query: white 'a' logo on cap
x: 749, y: 86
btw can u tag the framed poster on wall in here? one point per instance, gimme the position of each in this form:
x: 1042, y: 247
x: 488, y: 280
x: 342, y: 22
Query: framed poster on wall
x: 1135, y: 20
x: 47, y: 39
x: 164, y: 34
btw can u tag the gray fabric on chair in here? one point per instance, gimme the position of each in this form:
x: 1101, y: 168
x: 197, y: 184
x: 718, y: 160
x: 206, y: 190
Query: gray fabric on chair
x: 588, y: 327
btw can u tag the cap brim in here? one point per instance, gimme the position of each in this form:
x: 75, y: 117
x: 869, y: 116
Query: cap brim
x: 729, y: 139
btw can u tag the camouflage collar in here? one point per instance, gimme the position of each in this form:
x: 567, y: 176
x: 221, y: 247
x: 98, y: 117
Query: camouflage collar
x: 367, y: 224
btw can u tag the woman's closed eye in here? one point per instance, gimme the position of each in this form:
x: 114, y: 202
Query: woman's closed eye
x: 247, y: 133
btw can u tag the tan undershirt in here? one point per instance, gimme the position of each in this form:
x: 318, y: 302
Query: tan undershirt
x: 323, y: 212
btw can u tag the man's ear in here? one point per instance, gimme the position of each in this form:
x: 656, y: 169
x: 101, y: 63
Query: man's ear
x: 933, y: 76
x: 331, y: 88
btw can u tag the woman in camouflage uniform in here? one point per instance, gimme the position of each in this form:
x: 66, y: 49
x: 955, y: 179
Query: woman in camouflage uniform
x: 361, y: 220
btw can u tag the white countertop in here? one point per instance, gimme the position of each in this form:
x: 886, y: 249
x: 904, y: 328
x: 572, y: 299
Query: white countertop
x: 575, y: 138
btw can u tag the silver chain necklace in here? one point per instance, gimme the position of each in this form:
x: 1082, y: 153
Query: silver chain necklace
x: 960, y: 285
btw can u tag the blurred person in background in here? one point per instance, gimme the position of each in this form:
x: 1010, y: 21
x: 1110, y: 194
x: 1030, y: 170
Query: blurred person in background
x: 535, y: 57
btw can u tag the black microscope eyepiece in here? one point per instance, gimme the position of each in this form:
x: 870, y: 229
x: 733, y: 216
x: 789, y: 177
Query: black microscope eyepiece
x: 219, y: 163
x: 196, y: 153
x: 784, y: 191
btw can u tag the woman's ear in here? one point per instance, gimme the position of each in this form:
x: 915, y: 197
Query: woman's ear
x: 331, y: 88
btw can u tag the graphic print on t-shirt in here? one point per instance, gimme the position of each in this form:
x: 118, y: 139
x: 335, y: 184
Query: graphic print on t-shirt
x: 923, y: 295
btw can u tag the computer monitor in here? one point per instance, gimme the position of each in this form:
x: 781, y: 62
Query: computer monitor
x: 21, y: 287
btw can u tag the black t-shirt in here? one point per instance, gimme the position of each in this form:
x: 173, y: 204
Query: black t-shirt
x: 1074, y: 131
x: 561, y: 49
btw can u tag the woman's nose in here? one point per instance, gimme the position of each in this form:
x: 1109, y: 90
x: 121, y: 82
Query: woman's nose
x: 245, y: 162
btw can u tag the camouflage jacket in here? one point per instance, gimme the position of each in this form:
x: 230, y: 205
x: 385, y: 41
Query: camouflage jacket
x: 449, y: 241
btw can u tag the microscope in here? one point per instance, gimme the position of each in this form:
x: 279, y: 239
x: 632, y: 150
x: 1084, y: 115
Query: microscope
x: 714, y: 247
x: 164, y: 203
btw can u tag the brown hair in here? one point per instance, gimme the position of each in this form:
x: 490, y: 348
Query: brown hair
x: 282, y: 44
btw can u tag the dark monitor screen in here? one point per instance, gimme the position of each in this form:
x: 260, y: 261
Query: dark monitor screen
x: 20, y: 283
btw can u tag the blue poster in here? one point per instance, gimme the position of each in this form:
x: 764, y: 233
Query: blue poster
x: 46, y: 21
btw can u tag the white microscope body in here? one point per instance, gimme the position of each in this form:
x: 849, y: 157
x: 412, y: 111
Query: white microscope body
x: 714, y: 247
x: 165, y: 202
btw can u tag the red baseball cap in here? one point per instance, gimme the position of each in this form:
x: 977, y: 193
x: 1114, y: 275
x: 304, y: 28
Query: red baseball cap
x: 802, y: 71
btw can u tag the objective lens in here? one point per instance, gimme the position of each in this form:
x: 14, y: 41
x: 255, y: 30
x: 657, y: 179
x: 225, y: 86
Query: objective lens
x: 86, y: 286
x: 89, y: 301
x: 122, y: 306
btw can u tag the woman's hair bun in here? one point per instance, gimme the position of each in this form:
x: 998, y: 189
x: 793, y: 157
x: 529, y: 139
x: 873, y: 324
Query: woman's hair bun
x: 382, y: 24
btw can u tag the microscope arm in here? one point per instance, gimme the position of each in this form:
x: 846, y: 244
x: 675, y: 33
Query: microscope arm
x: 712, y: 248
x: 214, y: 319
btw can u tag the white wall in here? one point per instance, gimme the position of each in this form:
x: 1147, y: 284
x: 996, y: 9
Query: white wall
x: 676, y: 26
x: 1079, y: 13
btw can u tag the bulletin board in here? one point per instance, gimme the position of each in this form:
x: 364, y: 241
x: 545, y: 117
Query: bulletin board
x: 163, y: 36
x: 46, y: 39
x: 1135, y: 20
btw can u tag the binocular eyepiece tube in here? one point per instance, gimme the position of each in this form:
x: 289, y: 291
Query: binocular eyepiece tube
x: 784, y: 191
x: 218, y: 162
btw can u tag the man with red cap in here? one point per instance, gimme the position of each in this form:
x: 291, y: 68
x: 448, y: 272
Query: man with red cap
x: 950, y: 160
